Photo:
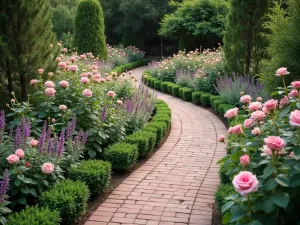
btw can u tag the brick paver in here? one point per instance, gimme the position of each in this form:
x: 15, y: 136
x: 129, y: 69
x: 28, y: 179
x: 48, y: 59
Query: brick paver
x: 177, y: 184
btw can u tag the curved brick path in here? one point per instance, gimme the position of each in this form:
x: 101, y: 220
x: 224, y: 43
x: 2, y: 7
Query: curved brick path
x: 177, y: 184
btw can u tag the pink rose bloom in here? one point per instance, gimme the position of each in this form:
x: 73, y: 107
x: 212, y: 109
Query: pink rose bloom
x: 64, y: 83
x: 12, y: 159
x: 231, y: 113
x: 245, y: 99
x: 40, y: 71
x: 275, y: 142
x: 95, y: 72
x: 58, y: 59
x: 33, y: 82
x: 111, y: 94
x: 83, y: 75
x: 73, y: 58
x: 49, y: 84
x: 237, y: 129
x: 63, y: 65
x: 47, y: 168
x: 62, y: 107
x: 255, y: 106
x: 284, y: 101
x: 293, y: 93
x: 82, y: 56
x: 296, y: 84
x: 271, y: 104
x: 245, y: 183
x: 20, y: 153
x: 94, y: 67
x: 281, y: 72
x: 221, y: 138
x: 248, y: 123
x: 266, y: 151
x: 245, y: 160
x: 258, y: 115
x: 259, y: 99
x: 87, y: 93
x: 34, y: 143
x: 64, y: 50
x: 89, y: 74
x: 84, y: 80
x: 120, y: 102
x: 53, y: 120
x: 108, y: 79
x: 50, y: 92
x: 102, y: 80
x: 295, y: 118
x: 73, y: 68
x: 266, y: 111
x: 256, y: 131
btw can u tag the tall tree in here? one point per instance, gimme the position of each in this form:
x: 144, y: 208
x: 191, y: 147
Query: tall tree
x: 28, y: 42
x: 89, y: 29
x: 243, y: 44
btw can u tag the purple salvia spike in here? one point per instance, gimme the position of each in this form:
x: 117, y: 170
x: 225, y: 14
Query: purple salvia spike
x: 17, y: 139
x: 84, y: 138
x: 2, y: 120
x: 103, y: 115
x: 4, y: 186
x: 50, y: 145
x: 61, y: 142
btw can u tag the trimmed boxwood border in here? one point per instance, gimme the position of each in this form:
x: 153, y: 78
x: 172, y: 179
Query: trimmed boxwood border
x: 129, y: 66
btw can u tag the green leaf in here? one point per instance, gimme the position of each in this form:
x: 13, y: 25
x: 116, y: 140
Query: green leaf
x: 265, y: 161
x: 17, y: 182
x: 295, y: 180
x: 283, y: 181
x: 25, y: 189
x: 271, y: 184
x: 255, y: 222
x: 22, y: 201
x: 92, y: 153
x: 227, y: 206
x: 281, y: 199
x: 21, y: 176
x: 33, y: 192
x: 296, y: 150
x: 226, y: 218
x: 268, y: 171
x: 237, y: 214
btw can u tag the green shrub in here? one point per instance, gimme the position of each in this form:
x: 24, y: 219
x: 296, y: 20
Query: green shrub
x: 157, y: 84
x: 223, y: 108
x: 153, y: 82
x: 223, y: 191
x: 170, y: 87
x: 153, y: 130
x: 239, y: 119
x: 69, y: 198
x: 163, y: 118
x: 214, y: 98
x: 34, y: 216
x: 217, y: 103
x: 164, y: 87
x: 160, y: 102
x: 122, y: 156
x: 187, y: 94
x: 151, y: 139
x: 196, y: 96
x: 175, y: 90
x: 181, y: 91
x: 94, y: 173
x: 224, y: 173
x: 205, y: 99
x: 164, y: 111
x: 161, y: 126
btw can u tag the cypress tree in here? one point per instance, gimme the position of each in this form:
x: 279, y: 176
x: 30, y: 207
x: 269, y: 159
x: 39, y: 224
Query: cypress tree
x: 27, y: 42
x: 243, y: 44
x: 89, y: 29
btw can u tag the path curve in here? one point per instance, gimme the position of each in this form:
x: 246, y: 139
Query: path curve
x: 177, y: 184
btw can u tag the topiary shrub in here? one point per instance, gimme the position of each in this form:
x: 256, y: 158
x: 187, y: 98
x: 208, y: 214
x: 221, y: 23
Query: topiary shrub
x: 164, y: 87
x: 224, y: 107
x: 34, y: 216
x: 122, y: 156
x: 181, y: 91
x: 94, y: 173
x: 187, y: 94
x: 155, y: 130
x: 223, y: 191
x: 157, y: 84
x: 214, y: 98
x: 164, y: 111
x: 162, y: 128
x: 153, y: 82
x: 205, y: 99
x: 196, y: 97
x: 175, y: 90
x: 69, y: 198
x: 170, y: 86
x: 163, y: 118
x: 217, y: 103
x: 89, y: 29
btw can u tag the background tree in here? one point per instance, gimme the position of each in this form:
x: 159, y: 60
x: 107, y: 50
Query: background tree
x: 243, y: 44
x: 89, y: 29
x: 26, y: 36
x: 195, y: 22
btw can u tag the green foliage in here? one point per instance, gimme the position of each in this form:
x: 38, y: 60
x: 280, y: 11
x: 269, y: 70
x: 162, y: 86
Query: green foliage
x: 283, y: 35
x: 205, y: 99
x: 34, y: 216
x: 89, y: 29
x: 224, y: 173
x: 135, y: 38
x: 157, y: 84
x: 187, y: 94
x: 223, y: 191
x: 164, y: 87
x: 163, y: 118
x: 170, y: 87
x: 196, y: 96
x: 151, y: 129
x: 94, y: 173
x: 161, y: 126
x: 122, y: 156
x: 213, y: 98
x: 243, y: 44
x: 217, y: 103
x: 69, y: 198
x: 223, y: 108
x: 129, y: 66
x: 175, y: 90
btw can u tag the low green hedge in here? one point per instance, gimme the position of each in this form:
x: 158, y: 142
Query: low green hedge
x: 223, y: 173
x: 95, y: 174
x: 217, y: 103
x: 34, y: 216
x: 223, y: 108
x: 213, y: 98
x: 187, y: 94
x: 130, y: 66
x: 157, y: 84
x: 205, y: 99
x: 152, y: 82
x: 196, y: 96
x: 223, y: 191
x: 142, y: 142
x: 164, y: 87
x: 69, y: 198
x: 122, y: 156
x: 170, y: 87
x: 181, y: 92
x: 162, y: 118
x: 161, y: 126
x: 155, y: 130
x: 175, y: 90
x: 164, y: 111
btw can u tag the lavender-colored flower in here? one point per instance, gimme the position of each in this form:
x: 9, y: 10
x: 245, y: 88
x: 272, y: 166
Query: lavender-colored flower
x: 84, y: 138
x: 60, y: 144
x: 50, y: 145
x: 2, y: 120
x: 71, y: 128
x: 103, y: 115
x: 17, y: 138
x: 4, y: 186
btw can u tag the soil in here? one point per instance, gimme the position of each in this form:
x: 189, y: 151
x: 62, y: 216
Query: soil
x: 216, y: 216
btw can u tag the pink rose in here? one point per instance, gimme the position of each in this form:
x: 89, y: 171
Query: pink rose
x: 271, y: 104
x: 265, y: 110
x: 58, y: 59
x: 102, y: 80
x: 50, y: 92
x: 111, y: 94
x: 63, y: 65
x: 295, y: 118
x: 12, y: 100
x: 20, y: 153
x: 64, y: 50
x: 245, y: 99
x: 64, y: 83
x: 89, y: 74
x: 266, y: 151
x: 275, y: 142
x: 34, y: 143
x: 94, y: 67
x: 62, y: 107
x: 33, y: 82
x: 73, y: 58
x: 259, y: 99
x: 237, y: 129
x: 84, y: 80
x: 258, y: 115
x: 248, y: 123
x: 49, y: 84
x: 47, y: 168
x: 53, y: 120
x: 255, y: 106
x: 73, y: 68
x: 245, y: 160
x: 293, y: 93
x: 256, y: 131
x: 284, y: 101
x: 281, y: 72
x: 231, y: 113
x: 87, y: 93
x: 120, y: 102
x: 108, y: 79
x: 40, y: 71
x: 296, y: 84
x: 12, y: 159
x: 221, y: 138
x: 245, y: 183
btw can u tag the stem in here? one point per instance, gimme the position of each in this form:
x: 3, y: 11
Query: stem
x: 299, y: 136
x: 285, y: 89
x: 250, y: 208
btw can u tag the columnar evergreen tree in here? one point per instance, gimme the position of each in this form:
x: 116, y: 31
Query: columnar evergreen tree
x: 89, y: 29
x: 243, y: 44
x: 27, y: 42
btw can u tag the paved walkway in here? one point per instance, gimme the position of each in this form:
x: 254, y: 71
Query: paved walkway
x: 177, y: 184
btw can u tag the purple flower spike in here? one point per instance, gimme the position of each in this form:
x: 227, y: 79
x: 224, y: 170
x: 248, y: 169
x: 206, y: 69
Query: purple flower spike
x: 2, y: 120
x: 4, y: 186
x: 84, y: 138
x: 103, y: 115
x: 17, y: 139
x: 60, y: 144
